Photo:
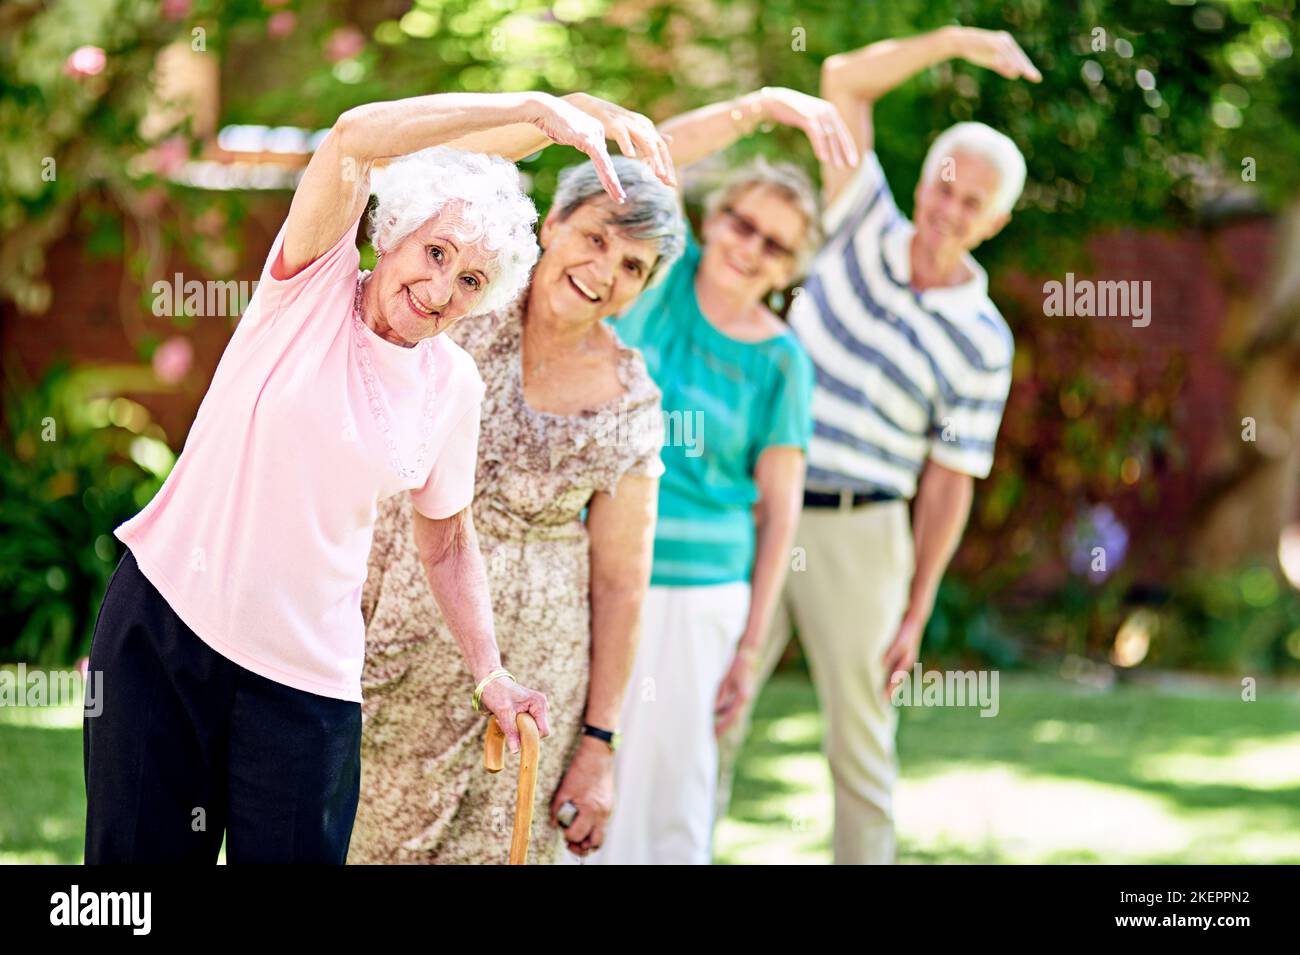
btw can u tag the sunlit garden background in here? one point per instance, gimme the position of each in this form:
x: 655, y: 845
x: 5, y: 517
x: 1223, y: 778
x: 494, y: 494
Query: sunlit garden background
x: 1149, y: 701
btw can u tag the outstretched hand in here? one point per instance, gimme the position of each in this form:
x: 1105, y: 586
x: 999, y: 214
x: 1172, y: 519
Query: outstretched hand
x: 820, y: 121
x: 997, y: 50
x: 635, y: 134
x: 564, y: 123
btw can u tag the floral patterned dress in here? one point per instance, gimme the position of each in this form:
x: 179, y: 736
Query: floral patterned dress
x: 425, y: 797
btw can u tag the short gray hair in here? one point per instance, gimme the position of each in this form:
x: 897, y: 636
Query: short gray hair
x: 496, y: 214
x: 789, y: 182
x: 987, y: 143
x: 652, y: 210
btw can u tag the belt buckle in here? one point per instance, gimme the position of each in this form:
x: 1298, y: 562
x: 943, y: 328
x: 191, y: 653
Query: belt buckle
x: 846, y: 500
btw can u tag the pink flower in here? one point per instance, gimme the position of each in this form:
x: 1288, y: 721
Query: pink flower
x: 343, y: 43
x: 171, y: 155
x: 172, y: 359
x: 176, y: 9
x: 85, y: 61
x: 281, y: 24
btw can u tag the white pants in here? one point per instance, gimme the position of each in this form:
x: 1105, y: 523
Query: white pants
x: 666, y: 770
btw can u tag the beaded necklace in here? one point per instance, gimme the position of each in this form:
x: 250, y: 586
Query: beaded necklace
x: 378, y: 405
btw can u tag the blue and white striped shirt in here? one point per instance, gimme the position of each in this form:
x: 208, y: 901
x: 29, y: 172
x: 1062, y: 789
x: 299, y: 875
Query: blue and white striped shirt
x: 901, y: 376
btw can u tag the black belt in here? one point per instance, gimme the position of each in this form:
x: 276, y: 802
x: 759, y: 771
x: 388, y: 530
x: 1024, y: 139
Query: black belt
x: 844, y: 499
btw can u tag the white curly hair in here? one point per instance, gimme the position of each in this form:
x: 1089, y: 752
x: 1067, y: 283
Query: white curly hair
x: 493, y: 212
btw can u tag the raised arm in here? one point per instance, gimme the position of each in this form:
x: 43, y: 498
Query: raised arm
x: 635, y: 134
x: 710, y: 129
x: 855, y: 80
x: 336, y: 184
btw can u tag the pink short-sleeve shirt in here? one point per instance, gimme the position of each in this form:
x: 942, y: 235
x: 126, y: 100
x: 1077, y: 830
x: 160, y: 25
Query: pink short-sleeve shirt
x: 259, y: 537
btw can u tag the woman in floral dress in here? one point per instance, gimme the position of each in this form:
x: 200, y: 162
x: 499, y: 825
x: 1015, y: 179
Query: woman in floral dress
x: 564, y: 508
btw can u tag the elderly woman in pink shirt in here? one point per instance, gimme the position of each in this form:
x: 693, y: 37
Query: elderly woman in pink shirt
x: 230, y: 637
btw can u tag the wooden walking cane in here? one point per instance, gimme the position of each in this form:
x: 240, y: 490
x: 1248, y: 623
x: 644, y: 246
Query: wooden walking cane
x: 494, y: 744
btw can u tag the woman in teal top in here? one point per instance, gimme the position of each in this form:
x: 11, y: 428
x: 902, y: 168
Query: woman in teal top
x: 737, y: 390
x: 726, y: 400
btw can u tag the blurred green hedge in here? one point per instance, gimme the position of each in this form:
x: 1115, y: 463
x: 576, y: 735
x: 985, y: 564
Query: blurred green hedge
x: 1144, y: 108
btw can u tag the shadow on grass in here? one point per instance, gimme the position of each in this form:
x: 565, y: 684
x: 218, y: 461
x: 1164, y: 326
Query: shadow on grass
x: 1059, y: 775
x: 1120, y: 737
x: 1130, y: 774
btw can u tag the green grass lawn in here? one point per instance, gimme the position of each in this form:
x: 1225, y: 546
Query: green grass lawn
x: 42, y: 792
x: 1061, y: 774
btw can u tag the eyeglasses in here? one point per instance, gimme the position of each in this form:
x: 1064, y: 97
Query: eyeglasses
x: 745, y: 228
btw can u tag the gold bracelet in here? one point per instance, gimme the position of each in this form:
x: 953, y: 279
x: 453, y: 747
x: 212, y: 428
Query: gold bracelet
x: 477, y: 699
x: 755, y: 114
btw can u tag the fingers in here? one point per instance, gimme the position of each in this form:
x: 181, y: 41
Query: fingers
x: 663, y: 165
x: 1000, y: 52
x: 509, y: 730
x: 724, y: 719
x: 654, y: 149
x: 817, y: 138
x: 731, y: 699
x: 651, y: 148
x: 892, y: 658
x: 722, y: 697
x: 540, y: 711
x: 834, y: 146
x: 667, y: 155
x: 581, y: 848
x: 1027, y: 68
x: 604, y: 169
x: 891, y: 682
x: 594, y: 841
x: 1014, y: 62
x: 900, y: 673
x: 623, y: 136
x: 899, y: 659
x: 581, y: 828
x: 655, y: 161
x: 831, y: 140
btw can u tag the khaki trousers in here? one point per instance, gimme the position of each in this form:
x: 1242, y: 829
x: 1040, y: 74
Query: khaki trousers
x: 845, y: 594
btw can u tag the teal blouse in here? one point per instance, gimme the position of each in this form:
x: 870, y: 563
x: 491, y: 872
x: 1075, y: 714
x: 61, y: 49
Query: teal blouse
x: 724, y: 402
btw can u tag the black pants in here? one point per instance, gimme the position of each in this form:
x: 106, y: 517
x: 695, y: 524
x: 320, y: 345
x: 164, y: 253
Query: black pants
x: 189, y: 746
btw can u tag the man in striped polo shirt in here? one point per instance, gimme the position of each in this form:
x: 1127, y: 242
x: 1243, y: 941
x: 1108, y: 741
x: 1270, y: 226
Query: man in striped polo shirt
x: 913, y: 365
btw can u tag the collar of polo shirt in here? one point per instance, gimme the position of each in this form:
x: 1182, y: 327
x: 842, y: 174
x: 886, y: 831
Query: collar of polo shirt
x: 895, y: 246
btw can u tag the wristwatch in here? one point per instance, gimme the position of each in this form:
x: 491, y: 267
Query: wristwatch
x: 611, y: 738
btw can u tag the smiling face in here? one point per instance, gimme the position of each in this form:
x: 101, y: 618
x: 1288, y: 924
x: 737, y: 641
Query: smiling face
x: 955, y: 216
x: 751, y: 244
x: 430, y: 280
x: 590, y: 269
